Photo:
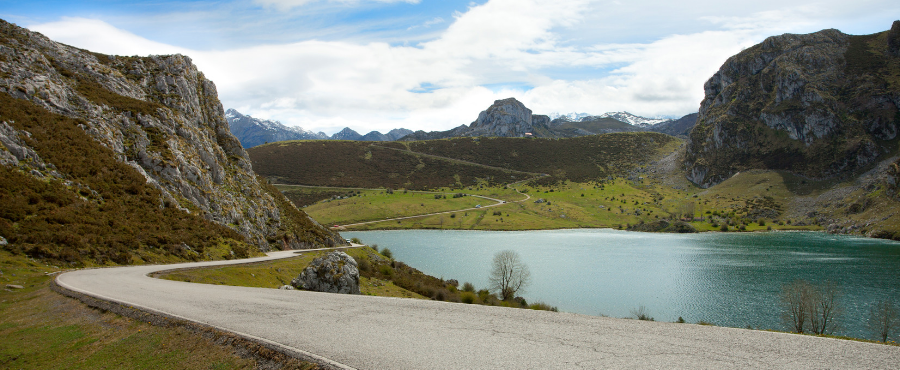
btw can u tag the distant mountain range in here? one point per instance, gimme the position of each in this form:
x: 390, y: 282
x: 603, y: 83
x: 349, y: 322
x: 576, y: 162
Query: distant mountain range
x: 510, y: 118
x: 505, y: 118
x: 254, y: 131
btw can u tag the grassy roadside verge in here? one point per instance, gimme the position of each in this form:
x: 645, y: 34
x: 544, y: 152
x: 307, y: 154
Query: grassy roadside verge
x: 41, y: 329
x: 273, y: 274
x: 379, y: 276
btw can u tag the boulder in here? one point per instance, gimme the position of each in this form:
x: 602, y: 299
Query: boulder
x: 336, y: 272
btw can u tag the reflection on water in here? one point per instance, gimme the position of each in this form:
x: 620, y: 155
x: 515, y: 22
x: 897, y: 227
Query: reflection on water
x: 730, y: 279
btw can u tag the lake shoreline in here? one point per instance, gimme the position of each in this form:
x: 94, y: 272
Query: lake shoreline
x: 729, y: 279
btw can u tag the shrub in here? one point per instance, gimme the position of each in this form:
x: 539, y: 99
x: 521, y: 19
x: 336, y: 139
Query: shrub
x: 364, y: 265
x: 680, y: 320
x: 468, y: 287
x: 355, y: 241
x: 387, y: 253
x: 541, y: 306
x: 724, y: 227
x: 467, y: 297
x: 386, y: 270
x: 375, y: 247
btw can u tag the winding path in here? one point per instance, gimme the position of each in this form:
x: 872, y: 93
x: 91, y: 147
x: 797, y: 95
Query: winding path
x: 363, y: 332
x: 498, y: 202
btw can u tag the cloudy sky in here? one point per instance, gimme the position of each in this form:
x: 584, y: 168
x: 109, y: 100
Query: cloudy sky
x: 434, y: 64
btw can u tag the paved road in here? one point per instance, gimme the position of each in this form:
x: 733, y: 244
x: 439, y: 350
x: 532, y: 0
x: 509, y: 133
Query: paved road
x: 391, y: 333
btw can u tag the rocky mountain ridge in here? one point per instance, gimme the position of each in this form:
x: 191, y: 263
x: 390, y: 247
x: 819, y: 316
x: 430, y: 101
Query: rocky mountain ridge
x: 820, y: 105
x: 253, y: 131
x: 510, y: 118
x: 161, y: 117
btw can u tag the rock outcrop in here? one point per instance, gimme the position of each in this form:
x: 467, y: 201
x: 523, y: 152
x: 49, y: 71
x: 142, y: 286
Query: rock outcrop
x: 507, y: 118
x: 821, y: 105
x: 336, y: 272
x: 161, y: 116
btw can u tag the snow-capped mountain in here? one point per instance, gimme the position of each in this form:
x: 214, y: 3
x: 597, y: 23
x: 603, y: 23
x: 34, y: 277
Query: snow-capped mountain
x: 626, y: 117
x: 571, y: 116
x: 633, y: 119
x: 254, y: 131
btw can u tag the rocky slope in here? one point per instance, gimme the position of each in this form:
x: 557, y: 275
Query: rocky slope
x: 254, y: 131
x: 677, y: 127
x: 822, y: 105
x: 158, y: 115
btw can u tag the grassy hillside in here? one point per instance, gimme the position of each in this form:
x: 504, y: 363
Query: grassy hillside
x: 361, y: 164
x: 578, y: 159
x: 456, y: 163
x: 598, y: 126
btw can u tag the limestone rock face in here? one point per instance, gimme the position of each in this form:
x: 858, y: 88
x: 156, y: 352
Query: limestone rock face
x: 160, y: 115
x: 819, y: 105
x: 336, y: 272
x: 506, y: 118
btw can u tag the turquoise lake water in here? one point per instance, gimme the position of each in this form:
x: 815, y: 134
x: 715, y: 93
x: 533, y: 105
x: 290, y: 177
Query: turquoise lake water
x: 729, y: 279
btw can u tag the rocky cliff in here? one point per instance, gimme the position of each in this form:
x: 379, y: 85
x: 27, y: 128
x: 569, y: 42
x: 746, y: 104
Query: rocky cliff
x: 820, y: 105
x: 161, y: 117
x: 507, y: 118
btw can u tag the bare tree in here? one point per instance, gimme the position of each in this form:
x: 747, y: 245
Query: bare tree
x: 509, y: 274
x: 825, y: 308
x: 641, y: 313
x: 883, y: 319
x: 808, y: 307
x: 795, y: 310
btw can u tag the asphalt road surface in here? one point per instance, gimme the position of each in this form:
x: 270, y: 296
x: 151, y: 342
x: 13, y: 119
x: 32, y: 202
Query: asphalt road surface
x: 366, y: 332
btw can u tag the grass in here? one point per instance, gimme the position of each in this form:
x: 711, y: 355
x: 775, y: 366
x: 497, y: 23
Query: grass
x: 45, y: 330
x: 377, y: 204
x: 379, y: 276
x: 273, y: 274
x: 750, y: 201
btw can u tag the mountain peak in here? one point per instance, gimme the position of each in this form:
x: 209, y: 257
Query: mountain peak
x: 254, y: 131
x: 346, y: 134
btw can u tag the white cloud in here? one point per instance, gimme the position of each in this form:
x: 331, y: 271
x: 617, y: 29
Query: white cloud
x: 101, y: 37
x: 540, y: 50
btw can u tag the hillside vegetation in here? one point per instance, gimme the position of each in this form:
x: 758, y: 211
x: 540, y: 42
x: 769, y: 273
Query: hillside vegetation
x: 362, y: 164
x: 456, y: 163
x: 102, y: 211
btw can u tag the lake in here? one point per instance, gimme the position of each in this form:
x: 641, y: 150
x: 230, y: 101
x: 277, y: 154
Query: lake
x: 728, y: 279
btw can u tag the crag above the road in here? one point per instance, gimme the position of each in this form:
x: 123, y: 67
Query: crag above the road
x: 105, y: 156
